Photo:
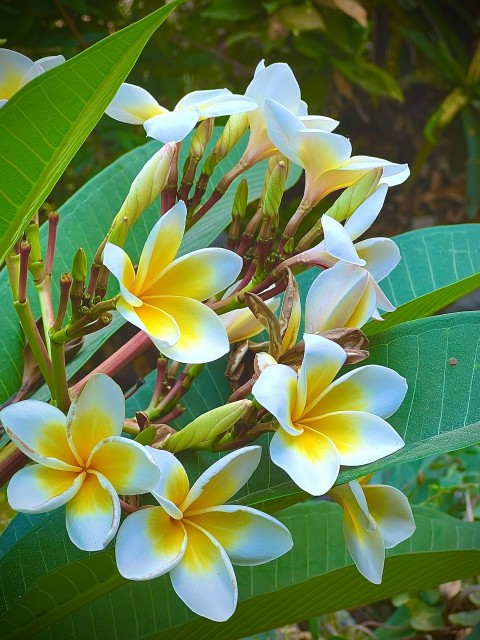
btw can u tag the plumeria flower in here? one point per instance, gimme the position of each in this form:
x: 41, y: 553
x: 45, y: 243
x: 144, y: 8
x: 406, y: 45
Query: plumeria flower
x: 135, y: 105
x: 163, y: 298
x: 82, y: 461
x: 241, y: 324
x: 325, y: 157
x: 324, y: 423
x: 377, y: 257
x: 276, y: 82
x: 196, y: 537
x: 375, y: 518
x: 16, y: 70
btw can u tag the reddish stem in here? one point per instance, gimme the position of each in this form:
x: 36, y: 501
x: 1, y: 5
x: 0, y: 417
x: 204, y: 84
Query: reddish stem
x: 11, y: 464
x: 52, y: 237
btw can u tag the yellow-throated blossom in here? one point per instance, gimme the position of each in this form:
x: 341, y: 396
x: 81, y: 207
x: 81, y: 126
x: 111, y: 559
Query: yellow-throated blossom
x: 276, y: 82
x: 135, y: 105
x: 196, y: 537
x: 82, y: 461
x: 241, y: 324
x: 16, y: 70
x: 163, y: 298
x: 325, y: 157
x: 375, y: 518
x: 325, y: 423
x: 350, y: 291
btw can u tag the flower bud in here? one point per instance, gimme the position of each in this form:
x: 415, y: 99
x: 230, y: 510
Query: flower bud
x: 355, y: 195
x: 201, y: 137
x: 274, y: 191
x: 234, y: 129
x: 79, y: 267
x: 240, y: 201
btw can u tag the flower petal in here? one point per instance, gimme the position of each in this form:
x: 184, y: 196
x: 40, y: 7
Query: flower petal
x: 133, y: 105
x: 149, y: 544
x: 36, y: 489
x: 276, y: 390
x: 161, y: 247
x: 310, y: 459
x: 392, y: 513
x: 276, y: 82
x: 282, y: 124
x: 93, y: 514
x: 50, y: 62
x: 172, y: 126
x: 173, y: 486
x: 381, y: 256
x: 204, y: 578
x: 13, y: 67
x: 96, y: 413
x: 381, y: 300
x: 39, y: 430
x: 159, y: 325
x: 216, y: 102
x: 319, y: 151
x: 365, y: 215
x: 222, y: 480
x: 320, y: 123
x: 202, y: 335
x: 371, y: 388
x: 338, y: 243
x: 321, y: 362
x: 366, y: 547
x: 125, y: 463
x: 241, y: 324
x: 249, y: 537
x: 120, y: 265
x: 360, y: 438
x: 198, y: 275
x: 337, y: 298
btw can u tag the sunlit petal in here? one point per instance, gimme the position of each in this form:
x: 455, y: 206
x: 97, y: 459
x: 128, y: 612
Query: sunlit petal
x: 172, y: 126
x: 198, y: 275
x: 360, y: 438
x: 216, y: 102
x: 93, y: 514
x: 13, y: 67
x: 372, y: 388
x: 380, y: 254
x: 382, y: 301
x: 319, y: 151
x: 222, y: 480
x: 149, y: 544
x: 126, y: 464
x: 366, y: 547
x: 321, y: 363
x: 39, y: 430
x: 365, y: 215
x: 97, y: 413
x: 161, y: 247
x: 338, y: 243
x: 133, y: 105
x: 157, y: 323
x: 36, y: 489
x: 241, y: 324
x: 249, y: 537
x: 276, y: 82
x: 282, y: 124
x: 351, y: 496
x: 120, y: 265
x: 310, y: 459
x: 173, y: 485
x: 204, y: 578
x: 392, y: 513
x: 202, y: 335
x: 276, y: 390
x: 321, y: 123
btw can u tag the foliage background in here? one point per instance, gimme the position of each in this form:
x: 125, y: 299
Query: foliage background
x: 402, y: 76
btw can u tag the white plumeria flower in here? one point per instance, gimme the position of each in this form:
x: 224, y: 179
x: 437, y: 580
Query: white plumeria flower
x: 276, y: 82
x: 241, y: 324
x: 196, y: 537
x: 164, y: 297
x: 377, y: 258
x: 135, y: 105
x: 325, y: 157
x: 324, y: 423
x: 375, y: 518
x: 83, y: 461
x: 16, y: 70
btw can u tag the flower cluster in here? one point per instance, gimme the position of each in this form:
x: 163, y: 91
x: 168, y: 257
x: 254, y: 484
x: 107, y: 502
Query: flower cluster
x: 193, y: 307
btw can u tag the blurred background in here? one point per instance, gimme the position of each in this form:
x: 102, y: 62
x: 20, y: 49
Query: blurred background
x: 403, y: 78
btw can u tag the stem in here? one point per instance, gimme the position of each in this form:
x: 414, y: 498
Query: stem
x: 52, y: 238
x: 158, y: 390
x: 35, y: 341
x: 25, y: 248
x: 112, y: 365
x: 65, y: 284
x: 303, y: 208
x: 11, y: 460
x: 62, y: 397
x: 90, y: 316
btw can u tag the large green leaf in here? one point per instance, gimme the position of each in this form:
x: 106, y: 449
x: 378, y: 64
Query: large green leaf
x: 52, y: 590
x: 44, y: 125
x: 439, y: 357
x: 84, y: 221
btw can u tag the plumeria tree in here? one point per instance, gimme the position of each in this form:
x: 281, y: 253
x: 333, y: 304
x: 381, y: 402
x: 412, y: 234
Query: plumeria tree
x: 292, y: 366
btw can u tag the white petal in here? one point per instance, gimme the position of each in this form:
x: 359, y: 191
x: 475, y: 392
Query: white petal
x: 249, y: 537
x: 282, y: 124
x: 204, y: 578
x: 366, y: 548
x: 120, y: 265
x: 320, y: 123
x: 276, y: 390
x: 14, y: 67
x: 392, y: 513
x: 276, y: 82
x: 382, y: 302
x: 50, y: 62
x: 133, y: 105
x: 365, y: 215
x: 149, y: 544
x: 216, y: 102
x: 338, y: 243
x: 381, y: 256
x: 37, y: 489
x: 172, y: 126
x: 173, y: 486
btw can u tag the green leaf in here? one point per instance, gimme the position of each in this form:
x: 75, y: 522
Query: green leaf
x: 370, y: 78
x: 84, y: 220
x: 44, y: 124
x: 65, y: 592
